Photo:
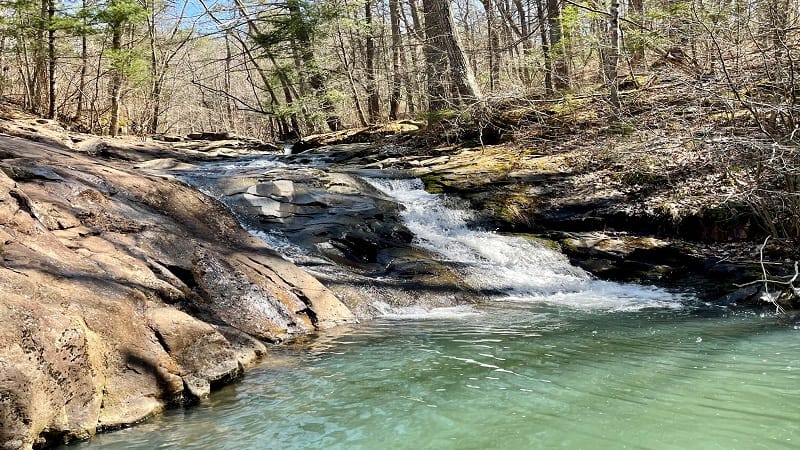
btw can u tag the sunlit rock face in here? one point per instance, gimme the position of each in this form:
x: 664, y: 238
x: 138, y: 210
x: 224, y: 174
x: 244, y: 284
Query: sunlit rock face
x: 124, y: 293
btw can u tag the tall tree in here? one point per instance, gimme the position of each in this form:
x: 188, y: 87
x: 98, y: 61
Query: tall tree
x: 51, y: 59
x: 373, y: 99
x: 548, y: 61
x: 83, y: 29
x: 493, y: 43
x: 561, y: 79
x: 637, y: 14
x: 298, y: 27
x: 118, y: 14
x: 450, y: 79
x: 397, y: 54
x: 289, y: 93
x: 612, y: 55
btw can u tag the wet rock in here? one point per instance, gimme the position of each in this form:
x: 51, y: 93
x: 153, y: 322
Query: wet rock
x: 625, y: 258
x: 198, y: 388
x: 279, y: 188
x: 248, y: 349
x: 747, y: 295
x: 350, y: 235
x: 202, y: 354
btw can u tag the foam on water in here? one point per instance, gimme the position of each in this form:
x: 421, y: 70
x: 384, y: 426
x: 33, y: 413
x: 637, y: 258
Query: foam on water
x: 388, y: 311
x: 510, y: 267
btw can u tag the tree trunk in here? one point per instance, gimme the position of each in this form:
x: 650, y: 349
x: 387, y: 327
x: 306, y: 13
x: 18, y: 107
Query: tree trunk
x: 155, y: 90
x: 397, y: 49
x: 229, y: 110
x: 435, y: 55
x: 525, y: 41
x: 612, y: 57
x: 373, y: 100
x: 417, y: 30
x: 443, y: 47
x: 51, y: 61
x: 548, y: 61
x: 494, y: 44
x: 637, y: 13
x: 560, y: 68
x: 40, y: 70
x: 115, y: 88
x: 3, y: 69
x: 84, y: 68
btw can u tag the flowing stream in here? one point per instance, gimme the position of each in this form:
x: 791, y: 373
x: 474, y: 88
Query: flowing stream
x: 555, y: 359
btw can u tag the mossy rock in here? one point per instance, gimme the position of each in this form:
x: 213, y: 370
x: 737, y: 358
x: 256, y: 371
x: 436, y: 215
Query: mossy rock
x: 434, y: 184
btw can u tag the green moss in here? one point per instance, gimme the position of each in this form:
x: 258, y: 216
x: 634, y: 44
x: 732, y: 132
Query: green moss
x: 433, y: 183
x: 514, y: 208
x: 549, y: 243
x: 569, y: 245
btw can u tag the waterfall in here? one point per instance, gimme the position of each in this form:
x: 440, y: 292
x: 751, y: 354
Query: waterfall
x: 510, y: 267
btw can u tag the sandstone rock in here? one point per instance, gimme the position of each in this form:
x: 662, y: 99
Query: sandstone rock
x: 111, y: 280
x: 199, y: 350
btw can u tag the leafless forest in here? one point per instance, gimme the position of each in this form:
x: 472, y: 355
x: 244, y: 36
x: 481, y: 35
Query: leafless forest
x: 718, y: 74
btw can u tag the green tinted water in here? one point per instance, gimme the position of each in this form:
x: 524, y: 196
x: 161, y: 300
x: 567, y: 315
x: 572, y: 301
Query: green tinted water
x: 509, y: 375
x: 554, y: 359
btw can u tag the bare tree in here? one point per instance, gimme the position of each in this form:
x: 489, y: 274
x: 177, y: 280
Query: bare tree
x: 493, y: 44
x: 373, y: 98
x: 450, y: 79
x: 612, y: 56
x: 397, y: 52
x: 561, y: 79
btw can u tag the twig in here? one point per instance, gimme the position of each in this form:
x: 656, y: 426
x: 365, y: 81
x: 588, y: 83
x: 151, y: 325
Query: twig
x: 767, y: 297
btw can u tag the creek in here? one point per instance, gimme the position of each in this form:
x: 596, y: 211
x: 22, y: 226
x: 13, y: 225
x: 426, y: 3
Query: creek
x: 553, y: 358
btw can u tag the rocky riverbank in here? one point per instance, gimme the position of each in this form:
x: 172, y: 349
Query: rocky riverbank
x: 125, y: 292
x: 678, y: 225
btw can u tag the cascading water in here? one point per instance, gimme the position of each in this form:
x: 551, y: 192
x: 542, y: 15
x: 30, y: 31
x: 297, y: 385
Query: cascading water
x: 510, y: 267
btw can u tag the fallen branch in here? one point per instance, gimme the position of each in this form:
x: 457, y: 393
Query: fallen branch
x: 765, y: 280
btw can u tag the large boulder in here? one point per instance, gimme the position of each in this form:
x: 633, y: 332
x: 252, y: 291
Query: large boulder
x: 125, y: 293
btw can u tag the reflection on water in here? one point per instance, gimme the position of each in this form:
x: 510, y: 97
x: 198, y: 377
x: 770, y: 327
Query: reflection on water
x: 518, y: 375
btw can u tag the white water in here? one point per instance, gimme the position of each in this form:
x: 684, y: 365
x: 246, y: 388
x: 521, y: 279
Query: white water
x: 511, y: 267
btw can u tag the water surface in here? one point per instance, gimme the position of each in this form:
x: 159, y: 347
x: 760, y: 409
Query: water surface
x: 517, y: 375
x: 555, y: 359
